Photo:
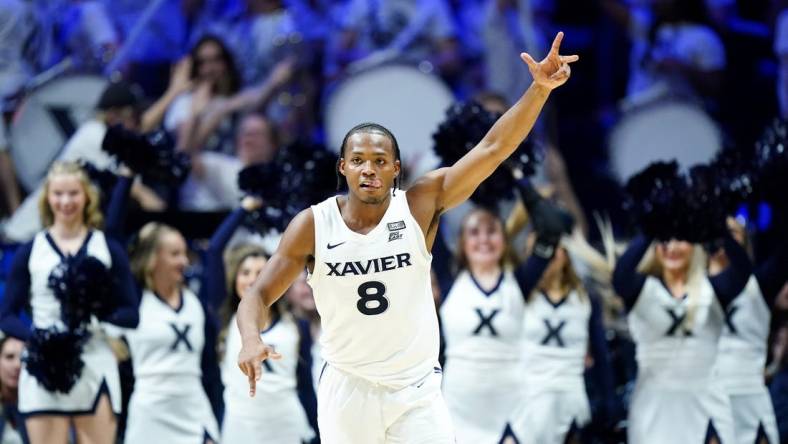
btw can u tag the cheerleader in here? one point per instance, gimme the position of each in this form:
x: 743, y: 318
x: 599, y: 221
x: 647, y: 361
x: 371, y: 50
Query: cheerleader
x: 173, y: 352
x: 482, y: 322
x: 58, y: 388
x: 280, y: 416
x: 742, y: 348
x: 562, y: 324
x: 676, y: 316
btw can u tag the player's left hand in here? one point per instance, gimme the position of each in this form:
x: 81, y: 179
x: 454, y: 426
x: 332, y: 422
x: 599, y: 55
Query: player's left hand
x: 554, y: 70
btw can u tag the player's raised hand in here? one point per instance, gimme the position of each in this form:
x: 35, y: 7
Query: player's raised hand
x: 250, y: 361
x: 554, y: 70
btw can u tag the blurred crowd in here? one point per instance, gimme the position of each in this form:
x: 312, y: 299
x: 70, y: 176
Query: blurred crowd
x: 231, y: 82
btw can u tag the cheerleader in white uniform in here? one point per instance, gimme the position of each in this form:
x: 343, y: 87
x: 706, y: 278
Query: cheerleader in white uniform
x: 742, y: 349
x: 173, y: 350
x: 279, y: 417
x: 562, y: 325
x: 169, y: 403
x: 69, y: 210
x: 676, y: 317
x: 482, y: 321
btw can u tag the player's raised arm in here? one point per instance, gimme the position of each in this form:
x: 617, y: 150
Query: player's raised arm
x: 453, y: 185
x: 288, y: 261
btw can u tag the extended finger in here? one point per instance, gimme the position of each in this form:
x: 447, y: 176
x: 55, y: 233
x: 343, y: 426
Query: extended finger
x: 569, y: 58
x: 528, y: 60
x: 252, y: 382
x: 557, y: 42
x: 274, y: 355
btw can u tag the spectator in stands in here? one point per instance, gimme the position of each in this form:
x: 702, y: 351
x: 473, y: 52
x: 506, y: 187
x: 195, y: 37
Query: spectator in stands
x: 213, y: 184
x: 118, y: 105
x: 11, y: 197
x: 158, y: 43
x: 408, y: 31
x: 781, y: 51
x: 674, y: 49
x: 215, y: 78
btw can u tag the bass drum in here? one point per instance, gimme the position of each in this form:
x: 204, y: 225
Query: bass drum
x: 663, y: 130
x: 403, y: 99
x: 46, y: 119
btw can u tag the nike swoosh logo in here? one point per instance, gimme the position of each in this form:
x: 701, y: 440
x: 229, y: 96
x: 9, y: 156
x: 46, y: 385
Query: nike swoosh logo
x: 329, y: 246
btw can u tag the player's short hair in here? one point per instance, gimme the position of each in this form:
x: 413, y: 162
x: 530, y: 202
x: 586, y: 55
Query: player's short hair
x: 367, y: 127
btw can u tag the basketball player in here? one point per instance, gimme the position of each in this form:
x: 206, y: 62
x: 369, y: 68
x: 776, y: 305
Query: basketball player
x: 368, y: 253
x: 742, y: 349
x: 69, y: 211
x: 676, y: 316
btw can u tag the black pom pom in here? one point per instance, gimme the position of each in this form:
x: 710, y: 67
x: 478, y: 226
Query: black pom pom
x: 736, y: 176
x: 654, y: 199
x: 771, y: 158
x: 703, y: 218
x: 152, y: 155
x: 302, y: 174
x: 308, y: 172
x: 83, y: 285
x: 55, y: 358
x: 464, y: 127
x: 104, y: 180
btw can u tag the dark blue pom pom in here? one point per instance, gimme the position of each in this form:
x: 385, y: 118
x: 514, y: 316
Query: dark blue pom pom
x: 151, y: 155
x: 736, y: 173
x: 464, y: 127
x: 771, y: 158
x: 55, y: 358
x: 83, y: 285
x: 703, y: 219
x: 302, y: 174
x: 655, y: 199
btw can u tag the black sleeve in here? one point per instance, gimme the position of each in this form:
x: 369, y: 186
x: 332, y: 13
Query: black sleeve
x: 772, y: 274
x: 126, y: 312
x: 529, y: 273
x: 626, y: 280
x: 114, y: 224
x: 17, y: 295
x: 213, y: 289
x: 730, y: 283
x: 304, y: 383
x: 209, y: 364
x: 603, y: 370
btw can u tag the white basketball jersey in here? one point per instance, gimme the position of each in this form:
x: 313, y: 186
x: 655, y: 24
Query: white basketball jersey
x: 44, y: 257
x: 556, y: 342
x: 279, y: 376
x: 166, y: 347
x: 669, y: 348
x: 742, y: 349
x: 480, y: 325
x: 374, y: 296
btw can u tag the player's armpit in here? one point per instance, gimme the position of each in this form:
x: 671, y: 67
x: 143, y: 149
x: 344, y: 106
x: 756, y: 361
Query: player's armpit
x: 423, y: 198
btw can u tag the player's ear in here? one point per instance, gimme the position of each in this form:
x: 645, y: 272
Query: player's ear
x: 341, y: 165
x: 397, y: 168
